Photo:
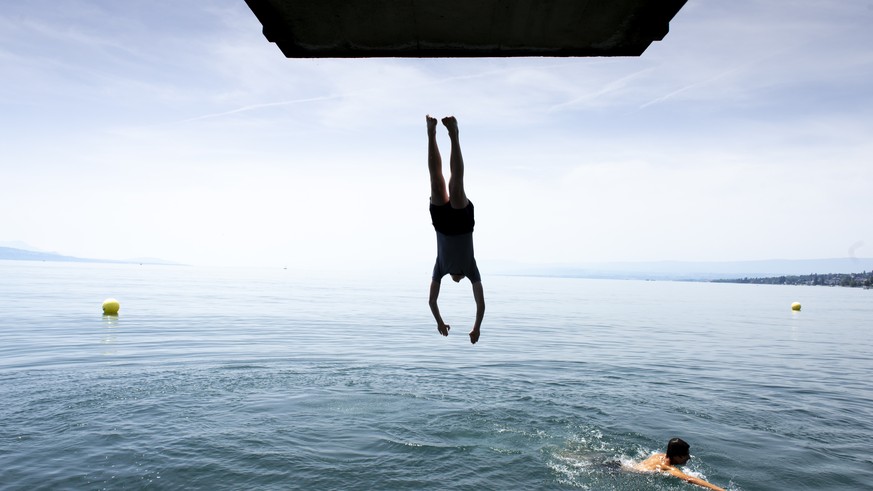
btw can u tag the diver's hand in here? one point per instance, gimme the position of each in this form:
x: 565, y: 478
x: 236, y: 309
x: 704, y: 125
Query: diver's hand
x: 443, y: 328
x: 474, y: 335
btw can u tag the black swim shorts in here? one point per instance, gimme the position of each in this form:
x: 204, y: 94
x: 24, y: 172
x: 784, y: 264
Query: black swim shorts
x: 452, y: 221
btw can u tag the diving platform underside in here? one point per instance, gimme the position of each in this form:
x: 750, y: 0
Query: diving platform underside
x: 463, y: 28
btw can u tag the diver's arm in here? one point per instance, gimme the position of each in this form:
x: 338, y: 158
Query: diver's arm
x: 435, y: 309
x: 479, y: 297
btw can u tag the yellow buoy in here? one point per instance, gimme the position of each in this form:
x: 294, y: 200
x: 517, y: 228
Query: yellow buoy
x: 111, y: 306
x: 795, y: 306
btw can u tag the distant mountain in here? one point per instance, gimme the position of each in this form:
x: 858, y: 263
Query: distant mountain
x: 689, y: 270
x: 30, y: 255
x: 15, y: 254
x: 17, y: 244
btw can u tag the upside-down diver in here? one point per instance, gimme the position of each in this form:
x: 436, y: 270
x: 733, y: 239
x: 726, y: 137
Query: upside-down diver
x: 452, y: 216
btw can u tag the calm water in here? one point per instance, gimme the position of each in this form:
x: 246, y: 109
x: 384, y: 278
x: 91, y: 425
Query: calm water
x: 262, y: 379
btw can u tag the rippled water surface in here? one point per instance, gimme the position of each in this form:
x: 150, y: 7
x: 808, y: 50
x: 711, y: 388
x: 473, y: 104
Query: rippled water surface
x: 271, y: 379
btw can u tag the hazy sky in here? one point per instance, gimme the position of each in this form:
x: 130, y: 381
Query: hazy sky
x: 175, y: 130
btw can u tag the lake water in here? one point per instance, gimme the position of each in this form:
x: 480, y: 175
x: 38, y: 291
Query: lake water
x: 271, y: 379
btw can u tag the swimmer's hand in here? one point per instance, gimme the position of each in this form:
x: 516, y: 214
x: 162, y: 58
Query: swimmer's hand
x: 443, y: 328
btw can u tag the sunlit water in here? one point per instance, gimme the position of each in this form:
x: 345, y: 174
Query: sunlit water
x: 271, y: 379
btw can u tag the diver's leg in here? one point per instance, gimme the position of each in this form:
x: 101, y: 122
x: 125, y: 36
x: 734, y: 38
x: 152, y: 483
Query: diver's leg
x: 457, y: 195
x: 438, y: 193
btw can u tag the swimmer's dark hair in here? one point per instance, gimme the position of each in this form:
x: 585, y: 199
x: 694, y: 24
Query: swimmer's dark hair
x: 677, y: 447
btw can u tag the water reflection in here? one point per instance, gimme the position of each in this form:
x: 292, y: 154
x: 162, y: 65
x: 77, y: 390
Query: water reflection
x: 109, y: 338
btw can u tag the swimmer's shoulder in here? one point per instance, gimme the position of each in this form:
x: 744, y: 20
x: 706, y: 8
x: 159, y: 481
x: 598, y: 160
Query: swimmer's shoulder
x: 651, y: 464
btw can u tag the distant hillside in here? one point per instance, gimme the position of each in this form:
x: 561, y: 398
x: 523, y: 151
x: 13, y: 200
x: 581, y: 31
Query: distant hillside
x: 25, y: 255
x: 14, y: 254
x: 688, y: 270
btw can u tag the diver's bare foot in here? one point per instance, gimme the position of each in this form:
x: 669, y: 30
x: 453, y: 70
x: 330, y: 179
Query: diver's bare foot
x: 451, y: 124
x: 474, y: 336
x: 443, y: 329
x: 431, y: 125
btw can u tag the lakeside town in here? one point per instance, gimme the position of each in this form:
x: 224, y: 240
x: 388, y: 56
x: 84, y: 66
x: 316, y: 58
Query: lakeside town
x: 851, y: 280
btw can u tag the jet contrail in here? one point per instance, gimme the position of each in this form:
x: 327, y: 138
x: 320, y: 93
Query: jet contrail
x: 445, y: 80
x: 253, y: 107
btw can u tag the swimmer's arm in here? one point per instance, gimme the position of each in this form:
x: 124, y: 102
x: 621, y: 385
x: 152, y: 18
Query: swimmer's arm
x: 693, y: 480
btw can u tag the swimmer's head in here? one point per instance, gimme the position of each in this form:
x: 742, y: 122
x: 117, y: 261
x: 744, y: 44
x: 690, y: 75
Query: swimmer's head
x: 678, y: 451
x: 457, y: 278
